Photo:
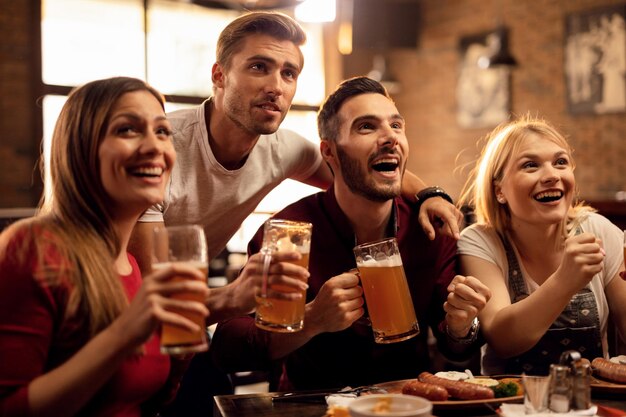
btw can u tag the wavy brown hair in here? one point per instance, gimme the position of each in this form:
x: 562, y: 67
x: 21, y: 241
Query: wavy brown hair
x: 77, y: 215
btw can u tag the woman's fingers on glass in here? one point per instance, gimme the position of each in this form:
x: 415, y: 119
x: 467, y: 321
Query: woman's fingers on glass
x: 180, y: 305
x: 198, y: 289
x: 175, y: 269
x: 174, y: 319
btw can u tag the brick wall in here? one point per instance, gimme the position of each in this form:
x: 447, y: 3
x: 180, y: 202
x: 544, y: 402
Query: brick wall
x: 428, y: 75
x: 20, y: 185
x: 439, y: 147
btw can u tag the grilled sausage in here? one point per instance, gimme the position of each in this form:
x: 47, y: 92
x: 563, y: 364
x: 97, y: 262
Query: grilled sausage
x: 428, y: 391
x: 612, y: 371
x: 459, y: 389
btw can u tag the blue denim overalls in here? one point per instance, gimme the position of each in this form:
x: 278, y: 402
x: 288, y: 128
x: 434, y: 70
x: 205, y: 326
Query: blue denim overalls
x: 578, y: 326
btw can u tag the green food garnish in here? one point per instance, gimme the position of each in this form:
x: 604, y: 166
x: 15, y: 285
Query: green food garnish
x: 505, y: 389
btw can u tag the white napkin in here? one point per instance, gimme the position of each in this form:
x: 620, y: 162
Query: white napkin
x: 340, y: 399
x: 517, y: 410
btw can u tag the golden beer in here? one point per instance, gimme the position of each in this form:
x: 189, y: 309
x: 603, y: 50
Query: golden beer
x: 174, y: 339
x: 388, y: 302
x: 387, y: 294
x: 275, y: 314
x: 272, y: 313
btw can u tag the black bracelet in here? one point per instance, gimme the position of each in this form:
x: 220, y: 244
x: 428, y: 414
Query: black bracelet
x: 429, y: 192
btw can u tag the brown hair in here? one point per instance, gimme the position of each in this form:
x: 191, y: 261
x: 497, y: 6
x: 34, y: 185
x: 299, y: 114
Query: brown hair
x: 77, y: 215
x: 276, y: 25
x: 327, y: 118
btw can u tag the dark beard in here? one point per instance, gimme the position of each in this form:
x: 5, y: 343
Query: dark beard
x: 356, y: 179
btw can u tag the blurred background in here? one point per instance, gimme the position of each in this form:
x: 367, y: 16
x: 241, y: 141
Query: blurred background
x: 456, y: 68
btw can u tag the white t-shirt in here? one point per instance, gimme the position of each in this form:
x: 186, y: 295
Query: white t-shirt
x: 483, y: 242
x: 201, y: 191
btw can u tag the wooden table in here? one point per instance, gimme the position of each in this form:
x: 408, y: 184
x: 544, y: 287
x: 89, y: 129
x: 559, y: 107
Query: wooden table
x: 260, y: 405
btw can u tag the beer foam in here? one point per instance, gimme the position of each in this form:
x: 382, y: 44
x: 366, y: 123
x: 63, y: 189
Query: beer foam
x: 387, y: 261
x: 286, y: 245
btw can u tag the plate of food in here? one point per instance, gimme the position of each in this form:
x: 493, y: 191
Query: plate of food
x: 456, y: 390
x: 609, y: 376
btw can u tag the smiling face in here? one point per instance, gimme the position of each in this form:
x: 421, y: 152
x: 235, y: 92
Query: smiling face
x: 136, y: 154
x: 256, y: 89
x: 369, y: 154
x: 538, y: 182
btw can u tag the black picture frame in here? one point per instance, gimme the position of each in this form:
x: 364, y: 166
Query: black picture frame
x: 595, y: 61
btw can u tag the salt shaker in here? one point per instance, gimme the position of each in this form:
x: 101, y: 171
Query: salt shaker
x: 581, y: 386
x: 560, y: 388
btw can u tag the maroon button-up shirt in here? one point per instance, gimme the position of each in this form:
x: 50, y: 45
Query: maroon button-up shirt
x: 349, y: 357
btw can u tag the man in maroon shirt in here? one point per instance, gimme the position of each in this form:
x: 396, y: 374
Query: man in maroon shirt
x: 365, y: 145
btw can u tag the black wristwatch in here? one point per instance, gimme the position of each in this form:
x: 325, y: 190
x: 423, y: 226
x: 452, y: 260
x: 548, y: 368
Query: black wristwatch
x: 429, y: 192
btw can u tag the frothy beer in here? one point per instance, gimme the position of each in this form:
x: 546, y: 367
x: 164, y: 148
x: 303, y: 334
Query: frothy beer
x: 273, y: 313
x: 388, y: 298
x: 286, y: 313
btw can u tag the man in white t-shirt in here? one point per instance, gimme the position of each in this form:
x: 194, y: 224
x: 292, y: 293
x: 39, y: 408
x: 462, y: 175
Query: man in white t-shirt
x: 231, y: 152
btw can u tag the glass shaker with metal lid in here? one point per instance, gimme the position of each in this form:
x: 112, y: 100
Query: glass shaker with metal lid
x: 581, y: 386
x: 560, y: 388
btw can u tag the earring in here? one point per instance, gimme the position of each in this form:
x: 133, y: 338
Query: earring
x: 501, y: 199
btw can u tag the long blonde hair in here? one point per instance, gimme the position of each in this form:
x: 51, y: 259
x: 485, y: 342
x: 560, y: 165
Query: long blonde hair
x: 504, y: 141
x: 77, y: 215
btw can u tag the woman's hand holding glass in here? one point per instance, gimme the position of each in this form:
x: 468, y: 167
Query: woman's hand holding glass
x: 152, y: 306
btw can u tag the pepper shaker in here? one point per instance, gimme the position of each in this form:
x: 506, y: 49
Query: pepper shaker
x: 581, y: 386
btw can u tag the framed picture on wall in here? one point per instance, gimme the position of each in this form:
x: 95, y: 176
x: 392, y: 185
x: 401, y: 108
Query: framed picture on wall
x: 483, y: 94
x: 595, y: 61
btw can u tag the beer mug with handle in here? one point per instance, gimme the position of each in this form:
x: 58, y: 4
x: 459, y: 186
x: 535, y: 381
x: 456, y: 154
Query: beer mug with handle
x: 386, y: 291
x: 277, y: 314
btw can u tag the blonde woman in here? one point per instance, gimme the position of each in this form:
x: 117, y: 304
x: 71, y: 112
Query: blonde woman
x: 77, y: 323
x: 551, y: 263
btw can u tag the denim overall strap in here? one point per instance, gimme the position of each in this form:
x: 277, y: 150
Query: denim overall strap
x: 517, y: 286
x: 577, y: 327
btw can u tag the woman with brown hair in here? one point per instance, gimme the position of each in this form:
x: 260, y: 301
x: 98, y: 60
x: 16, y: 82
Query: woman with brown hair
x: 77, y: 322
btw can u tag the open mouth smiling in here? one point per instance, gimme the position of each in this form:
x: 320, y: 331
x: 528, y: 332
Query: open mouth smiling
x: 549, y: 196
x: 386, y: 165
x: 150, y: 172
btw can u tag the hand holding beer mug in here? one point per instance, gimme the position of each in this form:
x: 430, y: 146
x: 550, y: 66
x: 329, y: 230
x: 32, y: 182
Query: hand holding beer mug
x: 274, y: 314
x: 182, y: 244
x: 386, y: 291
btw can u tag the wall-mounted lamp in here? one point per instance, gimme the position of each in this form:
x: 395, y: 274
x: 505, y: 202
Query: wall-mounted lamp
x: 498, y: 47
x: 380, y: 73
